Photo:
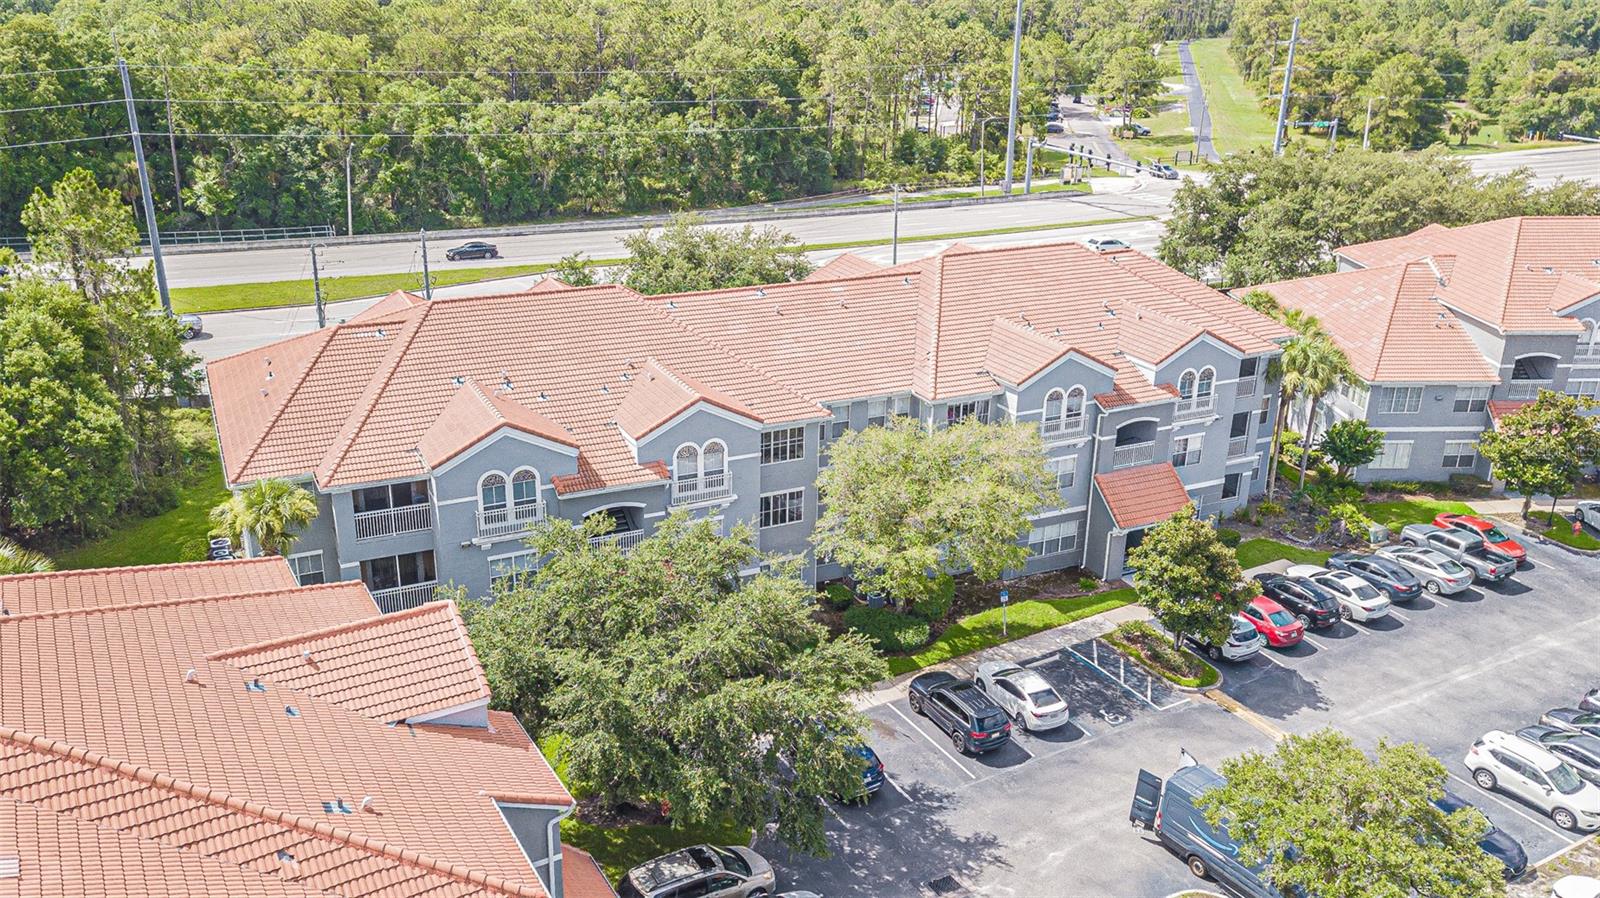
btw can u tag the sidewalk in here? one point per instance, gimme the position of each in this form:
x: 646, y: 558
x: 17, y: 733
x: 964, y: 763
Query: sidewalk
x: 1511, y: 506
x: 1017, y: 651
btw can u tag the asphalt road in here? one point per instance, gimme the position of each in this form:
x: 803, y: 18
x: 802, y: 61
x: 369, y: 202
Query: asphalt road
x: 1199, y: 113
x: 1048, y: 816
x: 1573, y: 164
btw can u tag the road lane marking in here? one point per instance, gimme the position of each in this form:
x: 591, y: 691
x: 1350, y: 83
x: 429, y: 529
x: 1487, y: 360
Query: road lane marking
x: 1233, y: 706
x: 923, y: 733
x: 1399, y: 615
x: 1560, y: 834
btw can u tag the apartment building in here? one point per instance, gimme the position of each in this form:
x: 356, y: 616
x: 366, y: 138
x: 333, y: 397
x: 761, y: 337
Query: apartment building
x: 1450, y: 328
x: 435, y: 433
x: 217, y: 729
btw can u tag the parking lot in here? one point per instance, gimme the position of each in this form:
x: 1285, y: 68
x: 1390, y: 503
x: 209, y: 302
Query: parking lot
x: 1047, y: 815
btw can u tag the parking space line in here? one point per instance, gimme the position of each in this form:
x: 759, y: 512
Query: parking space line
x: 923, y: 733
x: 896, y: 786
x: 1320, y: 646
x: 1399, y: 615
x: 1268, y: 656
x: 1018, y: 743
x: 1560, y: 834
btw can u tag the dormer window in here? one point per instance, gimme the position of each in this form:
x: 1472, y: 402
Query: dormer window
x: 1196, y: 392
x: 1063, y: 412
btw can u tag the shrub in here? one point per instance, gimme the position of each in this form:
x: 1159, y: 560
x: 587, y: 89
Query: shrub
x: 1269, y: 509
x: 1394, y: 486
x: 1088, y: 583
x: 1342, y: 520
x: 937, y: 605
x: 887, y: 629
x: 1244, y: 514
x: 1155, y: 649
x: 839, y: 596
x: 1229, y: 538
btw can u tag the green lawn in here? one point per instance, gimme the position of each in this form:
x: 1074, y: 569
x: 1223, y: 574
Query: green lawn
x: 223, y: 297
x: 982, y: 630
x: 1412, y: 510
x: 1561, y: 531
x: 986, y: 232
x: 1256, y: 552
x: 176, y: 535
x: 620, y: 848
x: 1238, y: 121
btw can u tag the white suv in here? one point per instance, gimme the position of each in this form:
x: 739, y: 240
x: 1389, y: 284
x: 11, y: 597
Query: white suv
x: 1502, y: 761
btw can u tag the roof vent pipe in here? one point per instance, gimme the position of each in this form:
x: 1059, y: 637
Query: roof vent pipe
x: 366, y: 803
x: 191, y: 675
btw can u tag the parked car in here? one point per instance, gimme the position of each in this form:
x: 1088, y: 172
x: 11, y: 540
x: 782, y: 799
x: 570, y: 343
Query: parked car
x: 704, y: 870
x: 1274, y: 622
x: 1466, y: 548
x: 873, y: 777
x: 1504, y: 762
x: 1572, y: 720
x: 1054, y: 127
x: 1139, y: 130
x: 1399, y: 583
x: 1591, y: 701
x: 1581, y: 750
x: 1439, y: 575
x: 1484, y: 530
x: 1358, y: 599
x: 472, y: 249
x: 970, y: 718
x: 1588, y: 512
x: 1105, y: 244
x: 1242, y: 642
x: 189, y: 324
x: 1575, y: 887
x: 1028, y: 698
x: 1307, y: 601
x: 1163, y: 170
x: 1168, y: 809
x: 1495, y: 843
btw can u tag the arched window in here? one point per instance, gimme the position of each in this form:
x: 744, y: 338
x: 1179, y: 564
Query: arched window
x: 492, y: 492
x: 1073, y: 413
x: 713, y: 459
x: 1053, y: 402
x: 686, y: 464
x: 1186, y: 385
x: 1586, y: 342
x: 1208, y: 379
x: 525, y: 488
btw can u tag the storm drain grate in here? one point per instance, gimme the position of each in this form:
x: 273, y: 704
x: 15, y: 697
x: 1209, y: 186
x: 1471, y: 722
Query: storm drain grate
x: 946, y: 885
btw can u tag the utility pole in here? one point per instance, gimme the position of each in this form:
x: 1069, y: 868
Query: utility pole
x: 144, y: 189
x: 172, y: 142
x: 1333, y: 137
x: 1011, y: 126
x: 349, y: 205
x: 894, y: 252
x: 1027, y: 176
x: 427, y: 279
x: 1283, y: 101
x: 316, y: 285
x: 1366, y: 126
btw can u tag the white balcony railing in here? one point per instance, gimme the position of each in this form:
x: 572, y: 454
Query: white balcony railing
x: 402, y: 597
x: 1238, y: 447
x: 393, y: 521
x: 1527, y: 389
x: 625, y: 539
x: 1248, y: 386
x: 1197, y: 407
x: 702, y: 488
x: 1060, y: 428
x: 1133, y: 454
x: 499, y: 522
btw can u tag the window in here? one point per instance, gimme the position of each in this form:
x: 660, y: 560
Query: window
x: 1247, y: 368
x: 1393, y: 456
x: 686, y: 464
x: 1208, y: 380
x: 956, y: 412
x: 1186, y: 451
x: 902, y: 406
x: 1400, y: 400
x: 307, y: 567
x: 783, y: 508
x: 841, y: 422
x: 877, y: 412
x: 1231, y: 484
x: 1472, y: 399
x: 713, y: 459
x: 1063, y: 411
x: 1587, y: 389
x: 398, y: 570
x: 783, y: 445
x: 394, y: 495
x: 1186, y: 385
x: 1354, y: 393
x: 1064, y: 469
x: 1053, y: 539
x: 1460, y: 454
x: 510, y: 571
x: 492, y: 492
x: 525, y: 488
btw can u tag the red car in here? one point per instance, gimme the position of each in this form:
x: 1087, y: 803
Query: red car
x: 1494, y: 536
x: 1273, y: 621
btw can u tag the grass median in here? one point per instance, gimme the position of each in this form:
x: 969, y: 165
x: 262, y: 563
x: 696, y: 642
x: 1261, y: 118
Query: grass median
x: 982, y: 630
x: 1237, y: 120
x: 1557, y: 527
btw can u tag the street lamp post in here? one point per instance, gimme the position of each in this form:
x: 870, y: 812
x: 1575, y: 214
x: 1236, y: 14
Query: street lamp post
x: 1366, y: 126
x: 1016, y: 66
x: 982, y: 124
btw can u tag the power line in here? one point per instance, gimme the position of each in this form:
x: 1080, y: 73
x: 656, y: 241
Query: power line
x: 491, y: 71
x: 56, y: 106
x: 457, y: 136
x: 36, y: 72
x: 51, y: 143
x: 231, y: 101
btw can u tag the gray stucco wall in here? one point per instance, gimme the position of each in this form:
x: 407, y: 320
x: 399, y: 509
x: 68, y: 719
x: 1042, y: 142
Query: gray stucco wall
x: 531, y: 826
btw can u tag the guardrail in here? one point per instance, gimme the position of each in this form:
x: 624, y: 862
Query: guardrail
x: 393, y: 521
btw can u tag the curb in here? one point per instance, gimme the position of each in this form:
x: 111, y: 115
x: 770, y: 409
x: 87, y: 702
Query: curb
x: 1544, y: 540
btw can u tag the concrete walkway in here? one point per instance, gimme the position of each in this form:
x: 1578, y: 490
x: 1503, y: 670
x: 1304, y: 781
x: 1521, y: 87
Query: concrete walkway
x: 1511, y: 506
x: 1199, y: 112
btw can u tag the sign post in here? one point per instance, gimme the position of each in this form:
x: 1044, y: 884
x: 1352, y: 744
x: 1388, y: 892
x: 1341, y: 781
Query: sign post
x: 1005, y: 599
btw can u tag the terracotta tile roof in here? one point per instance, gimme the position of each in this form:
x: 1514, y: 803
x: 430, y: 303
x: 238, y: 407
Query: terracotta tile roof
x: 396, y: 303
x: 202, y: 779
x: 389, y: 668
x: 1018, y: 352
x: 1499, y: 408
x: 1389, y: 321
x: 845, y: 265
x: 473, y: 413
x: 64, y: 590
x: 1142, y: 495
x: 1512, y: 273
x: 772, y: 353
x: 549, y: 284
x: 582, y: 876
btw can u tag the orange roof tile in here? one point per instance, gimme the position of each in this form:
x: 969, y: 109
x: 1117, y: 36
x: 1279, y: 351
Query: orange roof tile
x: 656, y: 395
x: 582, y: 876
x: 394, y: 667
x: 1499, y: 408
x: 472, y: 414
x: 844, y: 265
x: 63, y: 590
x: 196, y: 778
x: 1143, y: 495
x: 388, y: 307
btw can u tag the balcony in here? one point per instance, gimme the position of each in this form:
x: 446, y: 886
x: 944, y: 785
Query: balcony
x: 1198, y: 407
x: 1527, y: 389
x: 1238, y: 447
x: 1061, y: 428
x: 498, y: 523
x: 402, y: 597
x: 1133, y: 454
x: 393, y: 521
x: 1248, y: 386
x: 624, y: 539
x: 702, y: 489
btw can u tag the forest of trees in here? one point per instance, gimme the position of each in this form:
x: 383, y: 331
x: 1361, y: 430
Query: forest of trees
x: 464, y: 112
x: 1434, y: 69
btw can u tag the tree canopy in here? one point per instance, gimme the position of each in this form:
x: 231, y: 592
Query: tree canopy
x: 905, y: 505
x: 670, y: 679
x: 686, y: 255
x: 1543, y: 447
x: 273, y: 511
x: 1328, y: 820
x: 1350, y: 444
x: 1188, y: 579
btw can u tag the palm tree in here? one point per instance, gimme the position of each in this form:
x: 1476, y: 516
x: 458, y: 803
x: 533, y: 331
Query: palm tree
x: 1288, y: 370
x: 272, y: 510
x: 14, y: 559
x: 1318, y: 369
x: 1464, y: 124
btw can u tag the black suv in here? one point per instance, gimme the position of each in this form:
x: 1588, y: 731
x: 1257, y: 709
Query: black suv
x: 973, y: 721
x: 1399, y: 583
x: 475, y: 249
x: 1312, y: 604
